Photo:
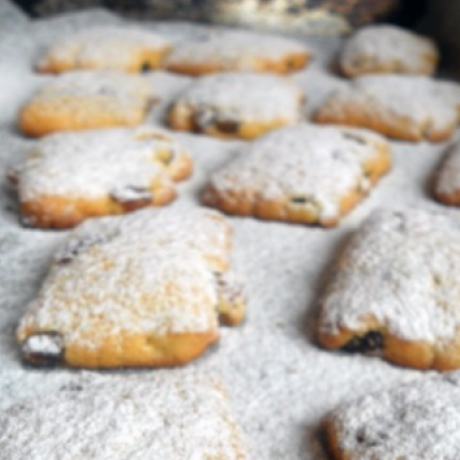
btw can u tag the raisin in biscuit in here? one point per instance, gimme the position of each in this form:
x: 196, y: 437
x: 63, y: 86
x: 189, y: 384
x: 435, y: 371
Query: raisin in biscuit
x: 388, y: 49
x: 238, y: 50
x: 395, y: 291
x: 69, y: 177
x: 411, y: 108
x: 243, y: 105
x: 171, y: 416
x: 84, y: 100
x: 139, y: 290
x: 305, y: 174
x: 106, y: 48
x: 447, y: 185
x: 414, y: 420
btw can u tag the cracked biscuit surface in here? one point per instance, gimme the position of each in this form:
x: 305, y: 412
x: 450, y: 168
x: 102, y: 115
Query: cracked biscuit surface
x: 419, y: 419
x: 169, y: 417
x: 106, y: 48
x: 237, y: 105
x: 69, y: 177
x: 410, y: 108
x: 305, y: 174
x: 143, y: 289
x: 238, y: 50
x: 394, y: 290
x: 82, y: 100
x: 388, y: 49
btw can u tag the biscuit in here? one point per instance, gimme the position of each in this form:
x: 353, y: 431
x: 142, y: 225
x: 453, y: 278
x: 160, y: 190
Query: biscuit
x: 238, y: 50
x: 237, y: 105
x: 394, y: 291
x: 305, y: 173
x: 419, y: 419
x: 141, y: 290
x: 388, y: 49
x: 85, y: 100
x: 69, y: 177
x: 447, y: 184
x: 106, y: 48
x: 171, y: 416
x: 410, y: 108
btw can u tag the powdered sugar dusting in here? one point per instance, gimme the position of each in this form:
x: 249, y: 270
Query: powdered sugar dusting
x: 95, y: 163
x: 167, y: 417
x: 143, y: 274
x: 243, y: 97
x: 320, y: 164
x: 416, y: 420
x: 378, y: 47
x: 108, y: 47
x: 234, y: 50
x: 400, y: 268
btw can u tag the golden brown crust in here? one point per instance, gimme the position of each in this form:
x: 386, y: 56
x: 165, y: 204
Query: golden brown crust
x: 332, y: 441
x: 451, y: 198
x: 250, y: 204
x: 61, y: 213
x: 288, y: 63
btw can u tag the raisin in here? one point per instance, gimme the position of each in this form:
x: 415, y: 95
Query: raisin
x: 370, y: 342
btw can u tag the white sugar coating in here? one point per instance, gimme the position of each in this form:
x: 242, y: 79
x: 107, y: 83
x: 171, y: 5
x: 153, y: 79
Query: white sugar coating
x: 235, y: 50
x: 108, y: 47
x: 418, y: 420
x: 322, y: 164
x: 124, y: 89
x: 95, y: 163
x: 401, y: 268
x: 149, y: 272
x: 168, y: 417
x: 243, y: 96
x: 417, y: 99
x: 448, y: 178
x: 388, y: 46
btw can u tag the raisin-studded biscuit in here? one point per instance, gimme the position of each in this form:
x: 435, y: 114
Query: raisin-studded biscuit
x: 306, y: 174
x: 69, y: 177
x: 411, y: 108
x: 85, y: 100
x: 106, y: 48
x: 419, y: 419
x: 243, y: 105
x: 169, y: 416
x: 147, y: 289
x: 388, y: 49
x: 394, y: 291
x: 447, y: 185
x: 238, y: 50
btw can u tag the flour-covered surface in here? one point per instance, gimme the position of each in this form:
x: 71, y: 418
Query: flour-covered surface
x: 280, y: 383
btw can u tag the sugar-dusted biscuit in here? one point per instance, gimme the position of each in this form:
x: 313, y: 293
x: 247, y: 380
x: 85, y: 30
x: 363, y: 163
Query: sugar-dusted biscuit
x: 84, y: 100
x: 388, y: 49
x: 243, y: 105
x: 143, y: 290
x: 106, y: 48
x: 226, y: 51
x: 305, y: 173
x: 69, y: 177
x: 394, y: 291
x: 411, y: 108
x: 447, y: 184
x: 419, y: 419
x: 170, y: 416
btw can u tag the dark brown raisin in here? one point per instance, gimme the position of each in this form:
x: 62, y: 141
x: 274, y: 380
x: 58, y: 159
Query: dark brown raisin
x: 44, y: 349
x: 370, y: 342
x: 228, y: 126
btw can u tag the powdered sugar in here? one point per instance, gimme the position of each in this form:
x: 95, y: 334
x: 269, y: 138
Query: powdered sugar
x: 108, y: 47
x: 143, y: 273
x: 234, y: 50
x: 243, y: 97
x: 416, y: 420
x: 400, y: 268
x: 96, y: 163
x: 385, y: 48
x: 170, y: 416
x: 317, y: 164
